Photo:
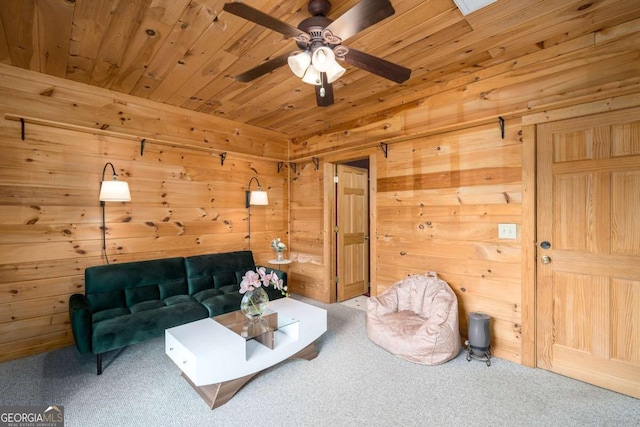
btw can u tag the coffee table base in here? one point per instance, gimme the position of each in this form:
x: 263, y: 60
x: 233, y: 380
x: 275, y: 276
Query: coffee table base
x: 218, y: 394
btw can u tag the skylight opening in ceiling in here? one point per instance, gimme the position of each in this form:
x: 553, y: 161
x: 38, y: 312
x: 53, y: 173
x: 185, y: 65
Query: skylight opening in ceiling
x: 470, y: 6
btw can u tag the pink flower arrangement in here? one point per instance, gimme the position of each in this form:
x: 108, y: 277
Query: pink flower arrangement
x: 254, y: 279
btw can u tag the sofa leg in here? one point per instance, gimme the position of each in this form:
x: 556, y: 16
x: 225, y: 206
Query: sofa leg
x: 99, y: 363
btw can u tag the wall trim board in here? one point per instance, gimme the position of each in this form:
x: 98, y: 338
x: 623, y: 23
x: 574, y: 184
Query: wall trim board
x: 584, y: 109
x: 368, y: 142
x: 132, y: 137
x: 528, y: 247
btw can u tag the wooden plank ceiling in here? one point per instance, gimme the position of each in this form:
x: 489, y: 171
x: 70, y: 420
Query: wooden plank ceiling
x: 187, y: 52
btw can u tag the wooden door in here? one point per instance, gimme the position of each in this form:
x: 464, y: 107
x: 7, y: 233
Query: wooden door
x: 588, y: 289
x: 353, y: 232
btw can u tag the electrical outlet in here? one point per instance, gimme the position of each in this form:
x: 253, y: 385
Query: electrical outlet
x: 507, y: 231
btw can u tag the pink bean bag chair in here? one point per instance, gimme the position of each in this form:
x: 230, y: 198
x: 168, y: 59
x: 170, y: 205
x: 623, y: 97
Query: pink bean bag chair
x: 416, y: 319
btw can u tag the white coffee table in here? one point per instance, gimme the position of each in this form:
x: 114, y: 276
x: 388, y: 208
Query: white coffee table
x: 217, y: 361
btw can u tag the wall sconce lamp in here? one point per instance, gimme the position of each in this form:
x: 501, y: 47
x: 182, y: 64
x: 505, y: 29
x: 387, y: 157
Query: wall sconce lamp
x: 111, y: 191
x: 254, y: 198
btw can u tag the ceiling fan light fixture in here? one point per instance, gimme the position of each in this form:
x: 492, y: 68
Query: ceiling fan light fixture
x: 312, y: 76
x: 323, y: 58
x: 299, y: 63
x: 335, y: 72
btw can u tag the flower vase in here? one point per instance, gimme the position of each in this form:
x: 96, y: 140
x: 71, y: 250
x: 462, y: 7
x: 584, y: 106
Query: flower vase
x: 254, y: 303
x: 279, y: 255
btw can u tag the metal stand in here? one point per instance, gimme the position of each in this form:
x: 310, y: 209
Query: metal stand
x: 476, y: 353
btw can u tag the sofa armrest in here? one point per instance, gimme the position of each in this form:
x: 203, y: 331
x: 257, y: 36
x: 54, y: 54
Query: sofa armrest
x: 81, y: 322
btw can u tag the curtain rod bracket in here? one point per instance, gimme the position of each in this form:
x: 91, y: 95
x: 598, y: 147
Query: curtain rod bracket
x: 142, y: 146
x: 22, y: 127
x: 501, y: 121
x: 223, y: 157
x: 385, y: 149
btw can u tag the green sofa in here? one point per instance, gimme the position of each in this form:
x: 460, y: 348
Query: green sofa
x: 131, y: 302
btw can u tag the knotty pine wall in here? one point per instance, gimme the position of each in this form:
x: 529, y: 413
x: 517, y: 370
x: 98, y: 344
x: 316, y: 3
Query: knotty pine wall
x: 438, y: 202
x: 183, y: 200
x: 450, y: 179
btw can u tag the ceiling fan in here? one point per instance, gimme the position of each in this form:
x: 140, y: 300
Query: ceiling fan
x: 320, y: 41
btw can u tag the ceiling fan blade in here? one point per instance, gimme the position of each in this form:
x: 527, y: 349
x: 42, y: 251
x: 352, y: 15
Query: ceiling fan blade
x: 264, y: 68
x: 254, y: 15
x: 361, y: 16
x: 324, y: 99
x: 379, y: 66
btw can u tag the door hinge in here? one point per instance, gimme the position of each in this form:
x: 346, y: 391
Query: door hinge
x: 335, y: 179
x: 336, y: 229
x: 336, y: 280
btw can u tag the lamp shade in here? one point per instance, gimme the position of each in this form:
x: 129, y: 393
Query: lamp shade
x: 334, y: 72
x: 258, y: 198
x: 323, y: 58
x: 312, y: 76
x: 299, y: 63
x: 114, y: 191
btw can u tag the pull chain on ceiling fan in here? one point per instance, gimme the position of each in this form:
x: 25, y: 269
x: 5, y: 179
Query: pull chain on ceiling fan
x: 320, y: 41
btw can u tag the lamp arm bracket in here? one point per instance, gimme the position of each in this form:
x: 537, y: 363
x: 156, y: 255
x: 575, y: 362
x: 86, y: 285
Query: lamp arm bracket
x: 113, y: 169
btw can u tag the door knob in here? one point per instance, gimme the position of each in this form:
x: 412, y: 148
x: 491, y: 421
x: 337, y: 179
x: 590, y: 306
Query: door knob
x: 546, y: 259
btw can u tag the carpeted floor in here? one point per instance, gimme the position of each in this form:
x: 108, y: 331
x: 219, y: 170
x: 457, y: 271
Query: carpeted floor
x: 359, y: 303
x: 351, y: 383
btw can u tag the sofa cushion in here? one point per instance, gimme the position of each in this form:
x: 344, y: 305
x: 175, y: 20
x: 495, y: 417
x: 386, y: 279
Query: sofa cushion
x: 206, y: 294
x: 105, y: 284
x: 172, y: 288
x: 141, y: 293
x: 132, y: 328
x: 109, y: 314
x: 217, y: 270
x: 224, y: 279
x: 147, y: 305
x: 179, y: 299
x: 106, y: 300
x: 199, y: 284
x: 223, y: 303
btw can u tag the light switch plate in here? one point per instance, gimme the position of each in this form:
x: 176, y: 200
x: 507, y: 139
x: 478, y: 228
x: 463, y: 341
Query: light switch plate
x: 507, y: 231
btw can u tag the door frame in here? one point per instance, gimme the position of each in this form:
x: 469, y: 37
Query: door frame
x: 330, y: 205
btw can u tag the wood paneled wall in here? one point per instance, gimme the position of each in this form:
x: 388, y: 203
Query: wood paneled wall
x: 450, y: 179
x: 440, y: 200
x: 183, y: 200
x: 309, y: 231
